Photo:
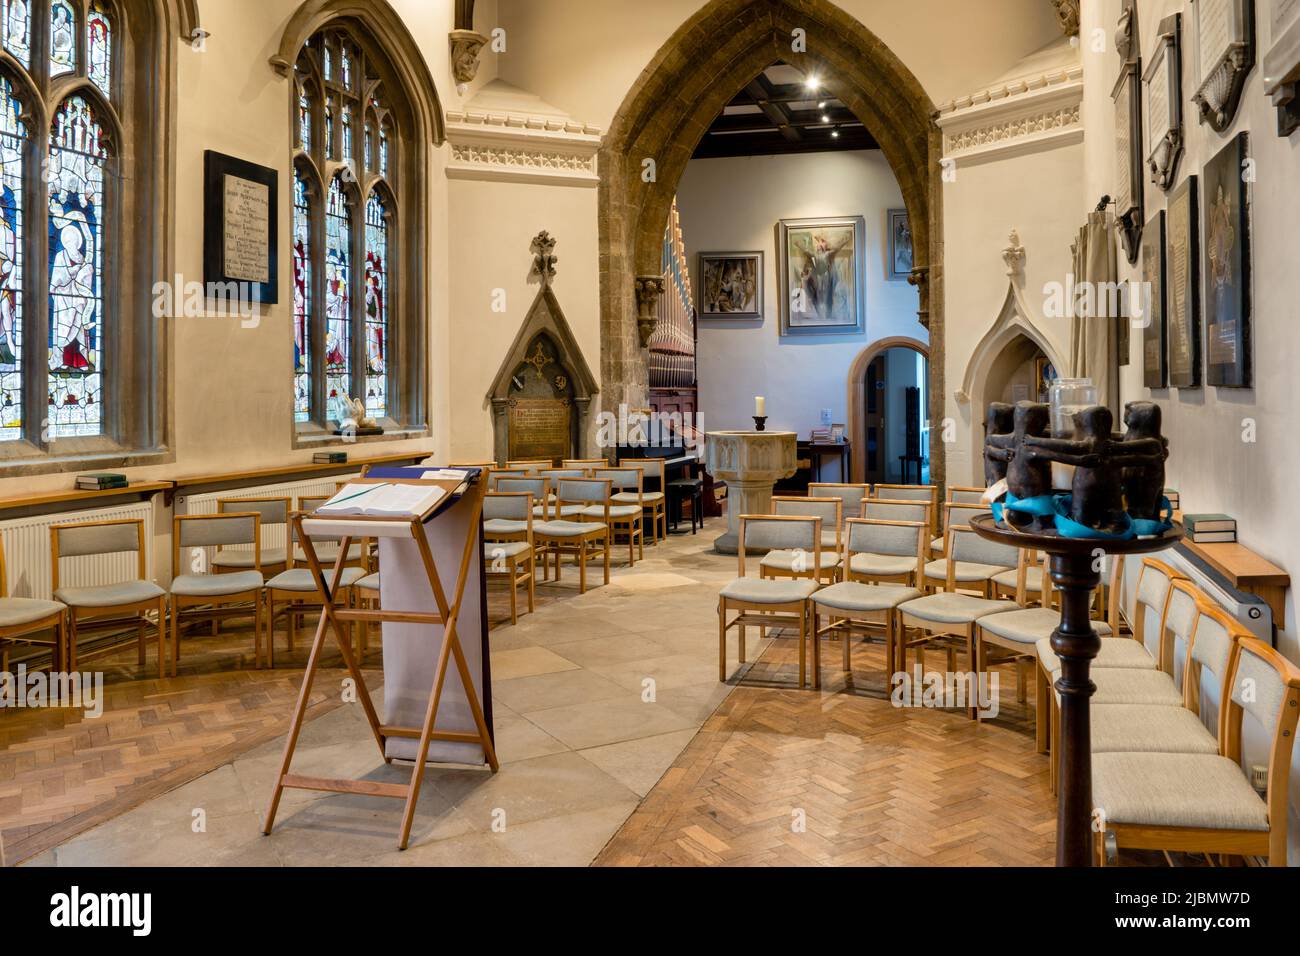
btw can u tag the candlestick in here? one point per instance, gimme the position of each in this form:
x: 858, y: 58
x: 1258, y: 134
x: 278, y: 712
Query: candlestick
x: 760, y: 423
x: 760, y: 406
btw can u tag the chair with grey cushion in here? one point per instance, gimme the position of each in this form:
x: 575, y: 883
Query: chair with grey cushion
x: 653, y: 494
x: 30, y: 621
x: 883, y: 551
x: 851, y: 496
x: 1204, y: 803
x: 976, y: 561
x: 897, y: 509
x: 584, y: 539
x: 551, y: 509
x: 784, y: 563
x: 108, y: 606
x: 960, y: 495
x: 358, y: 551
x: 273, y: 515
x: 298, y: 590
x: 530, y: 466
x: 929, y: 494
x: 365, y: 594
x: 771, y: 602
x: 626, y: 515
x: 200, y: 593
x: 495, y: 477
x: 853, y: 605
x: 509, y: 552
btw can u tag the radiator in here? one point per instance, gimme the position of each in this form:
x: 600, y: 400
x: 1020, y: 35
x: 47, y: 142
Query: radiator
x: 1249, y: 610
x: 27, y: 552
x: 273, y: 536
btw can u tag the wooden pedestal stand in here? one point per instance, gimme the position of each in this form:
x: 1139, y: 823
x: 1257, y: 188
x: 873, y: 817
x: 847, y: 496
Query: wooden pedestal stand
x: 1076, y: 571
x: 336, y: 620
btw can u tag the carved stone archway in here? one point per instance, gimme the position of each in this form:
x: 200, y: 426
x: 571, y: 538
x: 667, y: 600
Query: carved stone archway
x: 705, y: 63
x: 858, y: 394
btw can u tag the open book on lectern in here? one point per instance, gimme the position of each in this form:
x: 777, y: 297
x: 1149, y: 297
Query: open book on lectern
x: 383, y: 500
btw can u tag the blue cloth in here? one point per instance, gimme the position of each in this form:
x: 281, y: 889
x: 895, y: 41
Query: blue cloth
x: 1150, y: 527
x: 1067, y: 527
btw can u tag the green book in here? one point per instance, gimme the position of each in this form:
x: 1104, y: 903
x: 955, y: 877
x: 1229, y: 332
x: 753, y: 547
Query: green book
x: 1209, y: 522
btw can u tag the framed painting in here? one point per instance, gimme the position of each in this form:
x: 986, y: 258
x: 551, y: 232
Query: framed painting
x: 241, y: 236
x: 1044, y: 377
x: 1225, y: 267
x: 731, y: 285
x: 1155, y: 371
x: 899, y: 268
x: 821, y: 275
x: 1182, y: 256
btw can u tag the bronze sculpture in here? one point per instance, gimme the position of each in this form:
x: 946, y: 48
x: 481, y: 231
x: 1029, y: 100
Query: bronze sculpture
x: 999, y: 419
x: 1144, y: 480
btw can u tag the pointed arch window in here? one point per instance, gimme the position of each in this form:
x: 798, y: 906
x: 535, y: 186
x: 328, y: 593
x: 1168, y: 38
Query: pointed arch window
x: 99, y: 46
x: 13, y: 149
x: 351, y: 259
x: 63, y: 38
x: 16, y: 25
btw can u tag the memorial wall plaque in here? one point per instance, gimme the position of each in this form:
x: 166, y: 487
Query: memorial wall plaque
x: 1164, y: 112
x: 1226, y: 267
x: 1155, y: 374
x: 541, y: 428
x: 1184, y: 325
x: 240, y: 229
x: 1129, y: 163
x: 1225, y: 55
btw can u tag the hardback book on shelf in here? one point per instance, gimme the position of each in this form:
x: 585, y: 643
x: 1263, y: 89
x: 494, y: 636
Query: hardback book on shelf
x: 94, y: 482
x: 1199, y: 524
x: 330, y: 458
x: 1213, y: 537
x: 1175, y: 500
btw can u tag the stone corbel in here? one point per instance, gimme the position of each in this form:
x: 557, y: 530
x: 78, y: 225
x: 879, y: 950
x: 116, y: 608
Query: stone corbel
x: 920, y: 278
x: 1067, y: 11
x: 648, y: 291
x: 1220, y: 94
x: 1014, y: 256
x: 465, y: 48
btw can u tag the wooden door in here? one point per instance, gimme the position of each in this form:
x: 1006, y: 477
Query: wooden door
x: 873, y: 438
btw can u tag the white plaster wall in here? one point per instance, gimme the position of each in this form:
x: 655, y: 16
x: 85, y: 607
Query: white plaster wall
x: 734, y: 204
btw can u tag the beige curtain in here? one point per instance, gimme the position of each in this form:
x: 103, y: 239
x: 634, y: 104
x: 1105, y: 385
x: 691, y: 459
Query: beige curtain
x: 1093, y: 352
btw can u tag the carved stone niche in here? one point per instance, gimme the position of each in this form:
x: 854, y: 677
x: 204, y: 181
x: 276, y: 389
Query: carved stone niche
x: 541, y: 396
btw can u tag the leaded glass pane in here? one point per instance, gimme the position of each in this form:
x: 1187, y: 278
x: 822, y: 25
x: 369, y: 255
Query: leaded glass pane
x: 304, y: 122
x: 63, y: 38
x: 345, y: 65
x: 99, y: 47
x: 13, y: 136
x: 18, y: 30
x: 338, y: 302
x: 76, y: 250
x: 383, y: 151
x: 329, y: 127
x: 301, y: 300
x: 347, y: 133
x: 370, y: 147
x: 376, y: 307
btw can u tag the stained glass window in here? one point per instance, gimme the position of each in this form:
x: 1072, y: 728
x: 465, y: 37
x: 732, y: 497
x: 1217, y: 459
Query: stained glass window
x: 304, y: 122
x: 345, y: 64
x: 338, y: 301
x: 301, y: 300
x: 327, y: 67
x: 76, y: 250
x: 329, y: 127
x: 13, y: 136
x: 370, y: 146
x: 376, y: 307
x: 63, y: 38
x: 99, y: 47
x: 18, y: 30
x: 383, y: 150
x: 347, y: 133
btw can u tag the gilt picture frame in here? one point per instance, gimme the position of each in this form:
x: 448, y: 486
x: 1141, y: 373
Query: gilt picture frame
x: 821, y: 275
x: 1226, y: 267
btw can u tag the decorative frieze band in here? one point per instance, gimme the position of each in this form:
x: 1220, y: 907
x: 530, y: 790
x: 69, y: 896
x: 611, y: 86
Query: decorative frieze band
x: 522, y: 148
x: 1025, y: 116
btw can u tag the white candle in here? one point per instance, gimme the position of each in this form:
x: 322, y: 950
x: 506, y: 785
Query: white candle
x: 760, y: 406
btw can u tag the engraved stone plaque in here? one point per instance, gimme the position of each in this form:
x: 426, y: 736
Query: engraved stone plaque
x: 540, y: 428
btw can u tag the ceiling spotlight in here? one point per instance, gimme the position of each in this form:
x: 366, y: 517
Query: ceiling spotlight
x: 835, y: 134
x: 825, y: 118
x: 812, y: 83
x: 821, y: 105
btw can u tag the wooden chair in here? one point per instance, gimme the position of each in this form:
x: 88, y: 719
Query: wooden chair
x: 497, y: 476
x: 624, y: 515
x: 530, y: 465
x: 296, y: 589
x: 784, y: 563
x: 886, y: 557
x: 895, y: 509
x: 585, y: 464
x: 654, y: 500
x: 555, y: 476
x: 950, y: 512
x: 31, y: 621
x: 365, y: 594
x: 272, y: 512
x: 583, y: 539
x: 851, y: 495
x: 540, y: 489
x: 358, y: 553
x: 978, y: 561
x: 506, y: 551
x: 927, y: 493
x: 854, y: 606
x: 108, y: 606
x: 1203, y: 803
x: 965, y: 495
x: 770, y: 602
x: 207, y: 595
x: 946, y: 615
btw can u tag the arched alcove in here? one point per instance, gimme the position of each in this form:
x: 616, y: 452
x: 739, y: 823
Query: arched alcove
x: 857, y: 397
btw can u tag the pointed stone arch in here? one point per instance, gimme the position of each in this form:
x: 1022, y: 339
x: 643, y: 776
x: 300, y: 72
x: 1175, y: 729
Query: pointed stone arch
x: 701, y: 67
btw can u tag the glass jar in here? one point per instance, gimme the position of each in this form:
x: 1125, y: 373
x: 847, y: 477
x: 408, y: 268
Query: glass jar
x: 1067, y: 396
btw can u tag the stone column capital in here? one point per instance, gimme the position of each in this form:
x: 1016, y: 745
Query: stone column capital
x: 648, y: 291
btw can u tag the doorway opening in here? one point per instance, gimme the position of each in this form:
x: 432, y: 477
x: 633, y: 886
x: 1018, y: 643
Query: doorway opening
x: 895, y: 429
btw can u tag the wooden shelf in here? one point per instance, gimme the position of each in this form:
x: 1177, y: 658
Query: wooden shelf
x: 1246, y: 571
x: 62, y: 497
x: 306, y: 468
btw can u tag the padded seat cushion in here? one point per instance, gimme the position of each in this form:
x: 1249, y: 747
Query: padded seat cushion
x: 1176, y: 790
x: 965, y: 572
x: 216, y: 585
x: 369, y: 583
x: 1030, y: 625
x: 300, y: 579
x: 882, y: 565
x: 617, y: 511
x: 1122, y: 685
x: 327, y: 552
x: 568, y: 511
x: 938, y: 544
x: 856, y: 596
x: 784, y: 560
x: 1116, y: 652
x: 244, y: 559
x: 505, y: 549
x: 108, y: 595
x: 763, y: 591
x: 1033, y: 580
x: 14, y: 612
x: 629, y: 497
x: 566, y: 529
x: 950, y: 608
x: 505, y: 525
x: 1143, y: 728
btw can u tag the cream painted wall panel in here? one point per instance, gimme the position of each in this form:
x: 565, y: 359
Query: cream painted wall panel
x: 493, y: 227
x: 734, y: 204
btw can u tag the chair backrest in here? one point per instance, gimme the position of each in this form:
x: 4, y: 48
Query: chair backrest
x: 586, y: 464
x: 472, y: 464
x: 510, y: 505
x: 539, y: 488
x: 1213, y: 635
x: 873, y: 536
x: 892, y: 509
x: 1182, y: 606
x: 850, y: 495
x: 1150, y: 597
x: 198, y: 532
x: 653, y: 468
x: 532, y: 466
x: 84, y: 538
x: 497, y: 476
x: 312, y: 502
x: 965, y: 495
x: 762, y: 533
x: 830, y: 510
x: 1267, y: 686
x: 965, y: 545
x: 556, y: 474
x: 959, y: 515
x: 586, y: 491
x: 274, y: 510
x: 928, y: 493
x: 621, y: 479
